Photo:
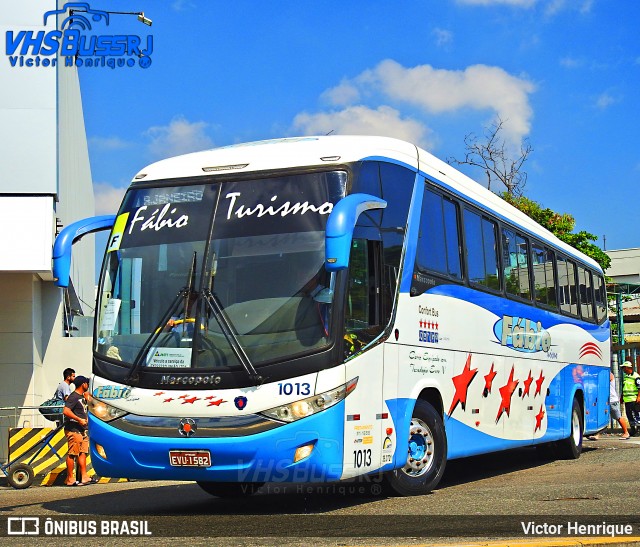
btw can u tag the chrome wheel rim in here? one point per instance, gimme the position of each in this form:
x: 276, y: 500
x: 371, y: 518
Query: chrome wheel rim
x: 420, y: 449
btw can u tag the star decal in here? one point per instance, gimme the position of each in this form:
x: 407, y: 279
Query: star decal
x: 158, y: 394
x: 506, y: 392
x: 216, y: 403
x: 527, y: 385
x: 539, y: 383
x: 209, y: 397
x: 539, y: 417
x: 488, y: 380
x: 183, y: 396
x: 461, y: 383
x: 168, y: 400
x: 190, y: 401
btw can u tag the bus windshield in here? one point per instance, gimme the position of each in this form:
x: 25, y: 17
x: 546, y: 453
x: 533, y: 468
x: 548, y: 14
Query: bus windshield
x: 178, y: 287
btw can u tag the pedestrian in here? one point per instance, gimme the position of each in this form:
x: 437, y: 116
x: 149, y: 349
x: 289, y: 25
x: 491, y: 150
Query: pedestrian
x: 631, y: 396
x: 64, y: 388
x: 75, y: 428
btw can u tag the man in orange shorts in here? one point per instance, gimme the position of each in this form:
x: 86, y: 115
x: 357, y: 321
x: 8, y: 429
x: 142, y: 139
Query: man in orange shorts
x: 75, y: 428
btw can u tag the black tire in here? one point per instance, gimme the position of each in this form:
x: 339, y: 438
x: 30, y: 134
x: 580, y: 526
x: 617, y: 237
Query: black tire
x: 427, y: 439
x: 571, y: 447
x: 230, y: 489
x: 20, y: 476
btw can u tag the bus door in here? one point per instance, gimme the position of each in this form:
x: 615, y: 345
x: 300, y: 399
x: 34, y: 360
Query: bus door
x: 596, y: 397
x: 363, y: 324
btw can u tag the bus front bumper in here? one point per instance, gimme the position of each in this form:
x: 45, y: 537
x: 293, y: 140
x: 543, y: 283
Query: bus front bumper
x: 262, y: 457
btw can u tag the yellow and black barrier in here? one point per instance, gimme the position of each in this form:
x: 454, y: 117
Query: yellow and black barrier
x: 49, y: 467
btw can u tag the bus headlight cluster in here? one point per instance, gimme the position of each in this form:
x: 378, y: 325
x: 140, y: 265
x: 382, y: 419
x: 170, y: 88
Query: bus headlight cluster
x: 311, y: 405
x: 104, y: 411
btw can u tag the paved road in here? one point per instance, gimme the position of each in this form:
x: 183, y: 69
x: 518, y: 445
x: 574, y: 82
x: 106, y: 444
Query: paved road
x: 491, y: 496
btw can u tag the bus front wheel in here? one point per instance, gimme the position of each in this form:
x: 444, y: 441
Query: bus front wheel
x: 230, y: 489
x: 571, y: 447
x: 426, y: 454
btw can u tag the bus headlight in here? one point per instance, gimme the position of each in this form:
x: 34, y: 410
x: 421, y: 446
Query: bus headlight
x: 311, y: 405
x: 104, y: 411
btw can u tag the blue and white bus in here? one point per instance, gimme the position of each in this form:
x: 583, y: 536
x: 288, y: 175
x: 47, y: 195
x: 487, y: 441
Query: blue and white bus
x: 319, y: 308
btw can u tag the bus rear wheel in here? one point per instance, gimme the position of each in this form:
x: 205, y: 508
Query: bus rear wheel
x: 571, y: 447
x: 230, y: 489
x: 426, y: 454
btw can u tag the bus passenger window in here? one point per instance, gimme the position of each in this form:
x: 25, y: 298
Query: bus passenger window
x: 600, y: 297
x: 515, y: 251
x: 567, y: 284
x: 543, y: 275
x: 438, y: 240
x: 481, y: 246
x: 586, y: 295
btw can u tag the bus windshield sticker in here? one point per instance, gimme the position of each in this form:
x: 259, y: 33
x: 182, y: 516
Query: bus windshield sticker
x: 116, y: 235
x: 110, y: 314
x: 169, y: 357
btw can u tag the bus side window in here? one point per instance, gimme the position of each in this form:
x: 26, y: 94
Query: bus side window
x: 600, y: 297
x: 480, y: 244
x: 586, y: 295
x: 438, y: 240
x: 515, y: 250
x: 543, y: 275
x: 363, y: 317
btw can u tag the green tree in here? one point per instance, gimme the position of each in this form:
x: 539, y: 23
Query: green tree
x: 561, y: 225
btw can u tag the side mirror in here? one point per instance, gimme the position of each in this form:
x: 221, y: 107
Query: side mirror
x: 68, y: 236
x: 340, y: 225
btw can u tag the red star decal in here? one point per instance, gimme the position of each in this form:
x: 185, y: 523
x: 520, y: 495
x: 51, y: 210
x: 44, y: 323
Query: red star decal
x: 527, y: 385
x: 539, y: 417
x: 429, y: 325
x: 539, y: 383
x: 190, y: 401
x: 216, y: 403
x: 436, y: 326
x: 506, y: 392
x: 168, y: 400
x: 488, y: 379
x: 461, y: 383
x: 209, y: 398
x: 158, y: 394
x: 183, y: 396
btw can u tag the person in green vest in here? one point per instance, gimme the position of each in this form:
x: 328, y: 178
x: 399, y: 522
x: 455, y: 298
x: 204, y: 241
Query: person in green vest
x: 631, y: 396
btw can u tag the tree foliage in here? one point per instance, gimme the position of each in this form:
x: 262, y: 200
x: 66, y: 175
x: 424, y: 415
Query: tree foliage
x: 561, y: 225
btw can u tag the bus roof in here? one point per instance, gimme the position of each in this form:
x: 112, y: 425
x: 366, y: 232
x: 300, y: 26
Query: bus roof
x: 340, y: 149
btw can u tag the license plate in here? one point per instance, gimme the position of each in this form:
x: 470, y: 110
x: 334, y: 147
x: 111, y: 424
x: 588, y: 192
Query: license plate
x: 190, y: 458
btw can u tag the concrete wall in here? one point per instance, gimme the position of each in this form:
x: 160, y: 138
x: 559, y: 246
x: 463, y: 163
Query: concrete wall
x: 44, y: 176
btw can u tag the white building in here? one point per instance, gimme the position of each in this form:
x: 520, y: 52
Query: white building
x: 45, y: 180
x: 625, y: 273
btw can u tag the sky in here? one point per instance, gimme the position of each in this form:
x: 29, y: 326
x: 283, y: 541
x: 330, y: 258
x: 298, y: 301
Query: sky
x: 563, y: 75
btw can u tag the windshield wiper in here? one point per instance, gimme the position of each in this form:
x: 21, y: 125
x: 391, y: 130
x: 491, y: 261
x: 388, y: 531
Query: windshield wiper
x: 157, y: 331
x: 185, y: 292
x: 230, y: 333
